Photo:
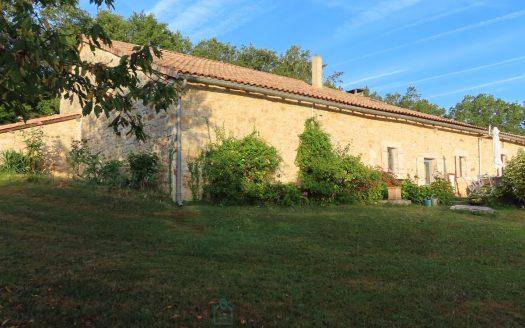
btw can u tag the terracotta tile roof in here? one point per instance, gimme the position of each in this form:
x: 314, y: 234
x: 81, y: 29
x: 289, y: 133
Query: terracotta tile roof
x: 38, y: 121
x: 173, y: 63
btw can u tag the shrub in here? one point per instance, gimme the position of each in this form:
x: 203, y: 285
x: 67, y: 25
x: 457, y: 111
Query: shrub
x: 359, y: 182
x: 331, y: 175
x: 112, y: 174
x: 442, y: 189
x: 514, y: 176
x: 413, y: 192
x: 83, y: 162
x: 144, y: 168
x: 30, y: 161
x: 14, y: 162
x: 194, y: 168
x: 237, y: 171
x: 283, y: 194
x: 318, y: 163
x: 34, y: 151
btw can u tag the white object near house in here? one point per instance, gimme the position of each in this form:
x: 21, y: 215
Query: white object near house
x: 496, y: 146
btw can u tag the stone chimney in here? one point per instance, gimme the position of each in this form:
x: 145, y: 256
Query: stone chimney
x: 317, y: 72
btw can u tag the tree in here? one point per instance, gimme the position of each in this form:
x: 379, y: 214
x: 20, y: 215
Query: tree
x: 372, y: 94
x: 216, y: 50
x: 141, y: 28
x: 485, y: 110
x: 295, y: 63
x: 410, y: 100
x: 116, y: 26
x: 263, y: 60
x: 145, y: 29
x: 39, y: 61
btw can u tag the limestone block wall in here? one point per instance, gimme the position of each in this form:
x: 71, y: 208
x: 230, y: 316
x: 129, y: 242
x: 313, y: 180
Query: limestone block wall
x: 57, y: 138
x: 280, y: 123
x: 159, y: 128
x: 161, y: 139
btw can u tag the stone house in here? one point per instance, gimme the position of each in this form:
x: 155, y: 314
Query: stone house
x: 240, y: 100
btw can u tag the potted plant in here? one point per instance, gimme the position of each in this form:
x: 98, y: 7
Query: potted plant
x: 393, y: 186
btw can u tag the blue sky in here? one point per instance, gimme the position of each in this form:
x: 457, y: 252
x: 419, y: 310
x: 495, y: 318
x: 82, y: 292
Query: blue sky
x: 446, y: 48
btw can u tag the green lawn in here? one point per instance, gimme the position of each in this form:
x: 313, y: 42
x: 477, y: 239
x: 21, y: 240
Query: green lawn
x: 73, y: 255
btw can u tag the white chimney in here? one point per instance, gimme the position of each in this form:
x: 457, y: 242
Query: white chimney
x: 317, y: 72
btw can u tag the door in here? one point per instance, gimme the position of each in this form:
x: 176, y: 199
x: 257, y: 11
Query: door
x: 428, y: 170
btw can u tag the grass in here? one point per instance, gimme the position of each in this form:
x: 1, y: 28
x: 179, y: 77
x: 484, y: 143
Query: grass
x: 76, y: 255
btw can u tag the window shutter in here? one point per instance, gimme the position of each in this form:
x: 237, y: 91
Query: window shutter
x: 396, y: 161
x: 440, y: 167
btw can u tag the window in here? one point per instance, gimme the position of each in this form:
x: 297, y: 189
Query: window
x: 428, y: 170
x: 392, y: 159
x: 462, y: 172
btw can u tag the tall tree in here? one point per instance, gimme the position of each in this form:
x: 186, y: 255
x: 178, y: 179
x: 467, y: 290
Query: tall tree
x: 142, y: 28
x: 39, y: 61
x: 410, y: 100
x: 216, y: 50
x: 257, y: 58
x: 485, y: 110
x: 116, y: 26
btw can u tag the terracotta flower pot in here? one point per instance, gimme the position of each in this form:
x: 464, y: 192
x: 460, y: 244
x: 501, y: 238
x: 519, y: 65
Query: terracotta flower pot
x: 394, y: 193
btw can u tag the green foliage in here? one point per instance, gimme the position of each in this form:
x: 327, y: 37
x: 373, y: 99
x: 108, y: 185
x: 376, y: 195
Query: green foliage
x: 283, y: 194
x: 30, y: 161
x: 34, y: 150
x: 318, y: 163
x: 14, y: 162
x: 514, y: 176
x: 442, y: 189
x: 144, y: 169
x: 330, y: 175
x: 141, y: 28
x: 112, y: 173
x: 410, y: 100
x: 413, y: 192
x: 237, y: 171
x: 40, y: 59
x: 44, y: 107
x: 140, y: 171
x: 485, y: 110
x: 194, y: 167
x: 83, y: 162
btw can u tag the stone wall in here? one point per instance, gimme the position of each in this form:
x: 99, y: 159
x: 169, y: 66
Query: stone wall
x: 58, y: 134
x: 160, y: 129
x: 280, y: 122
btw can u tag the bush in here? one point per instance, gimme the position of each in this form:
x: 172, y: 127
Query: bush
x: 112, y: 173
x: 329, y: 175
x: 31, y: 161
x: 144, y: 168
x: 14, y: 162
x: 413, y: 192
x: 238, y: 171
x: 83, y: 162
x: 34, y: 151
x: 514, y: 177
x: 283, y: 194
x: 442, y: 189
x: 318, y: 163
